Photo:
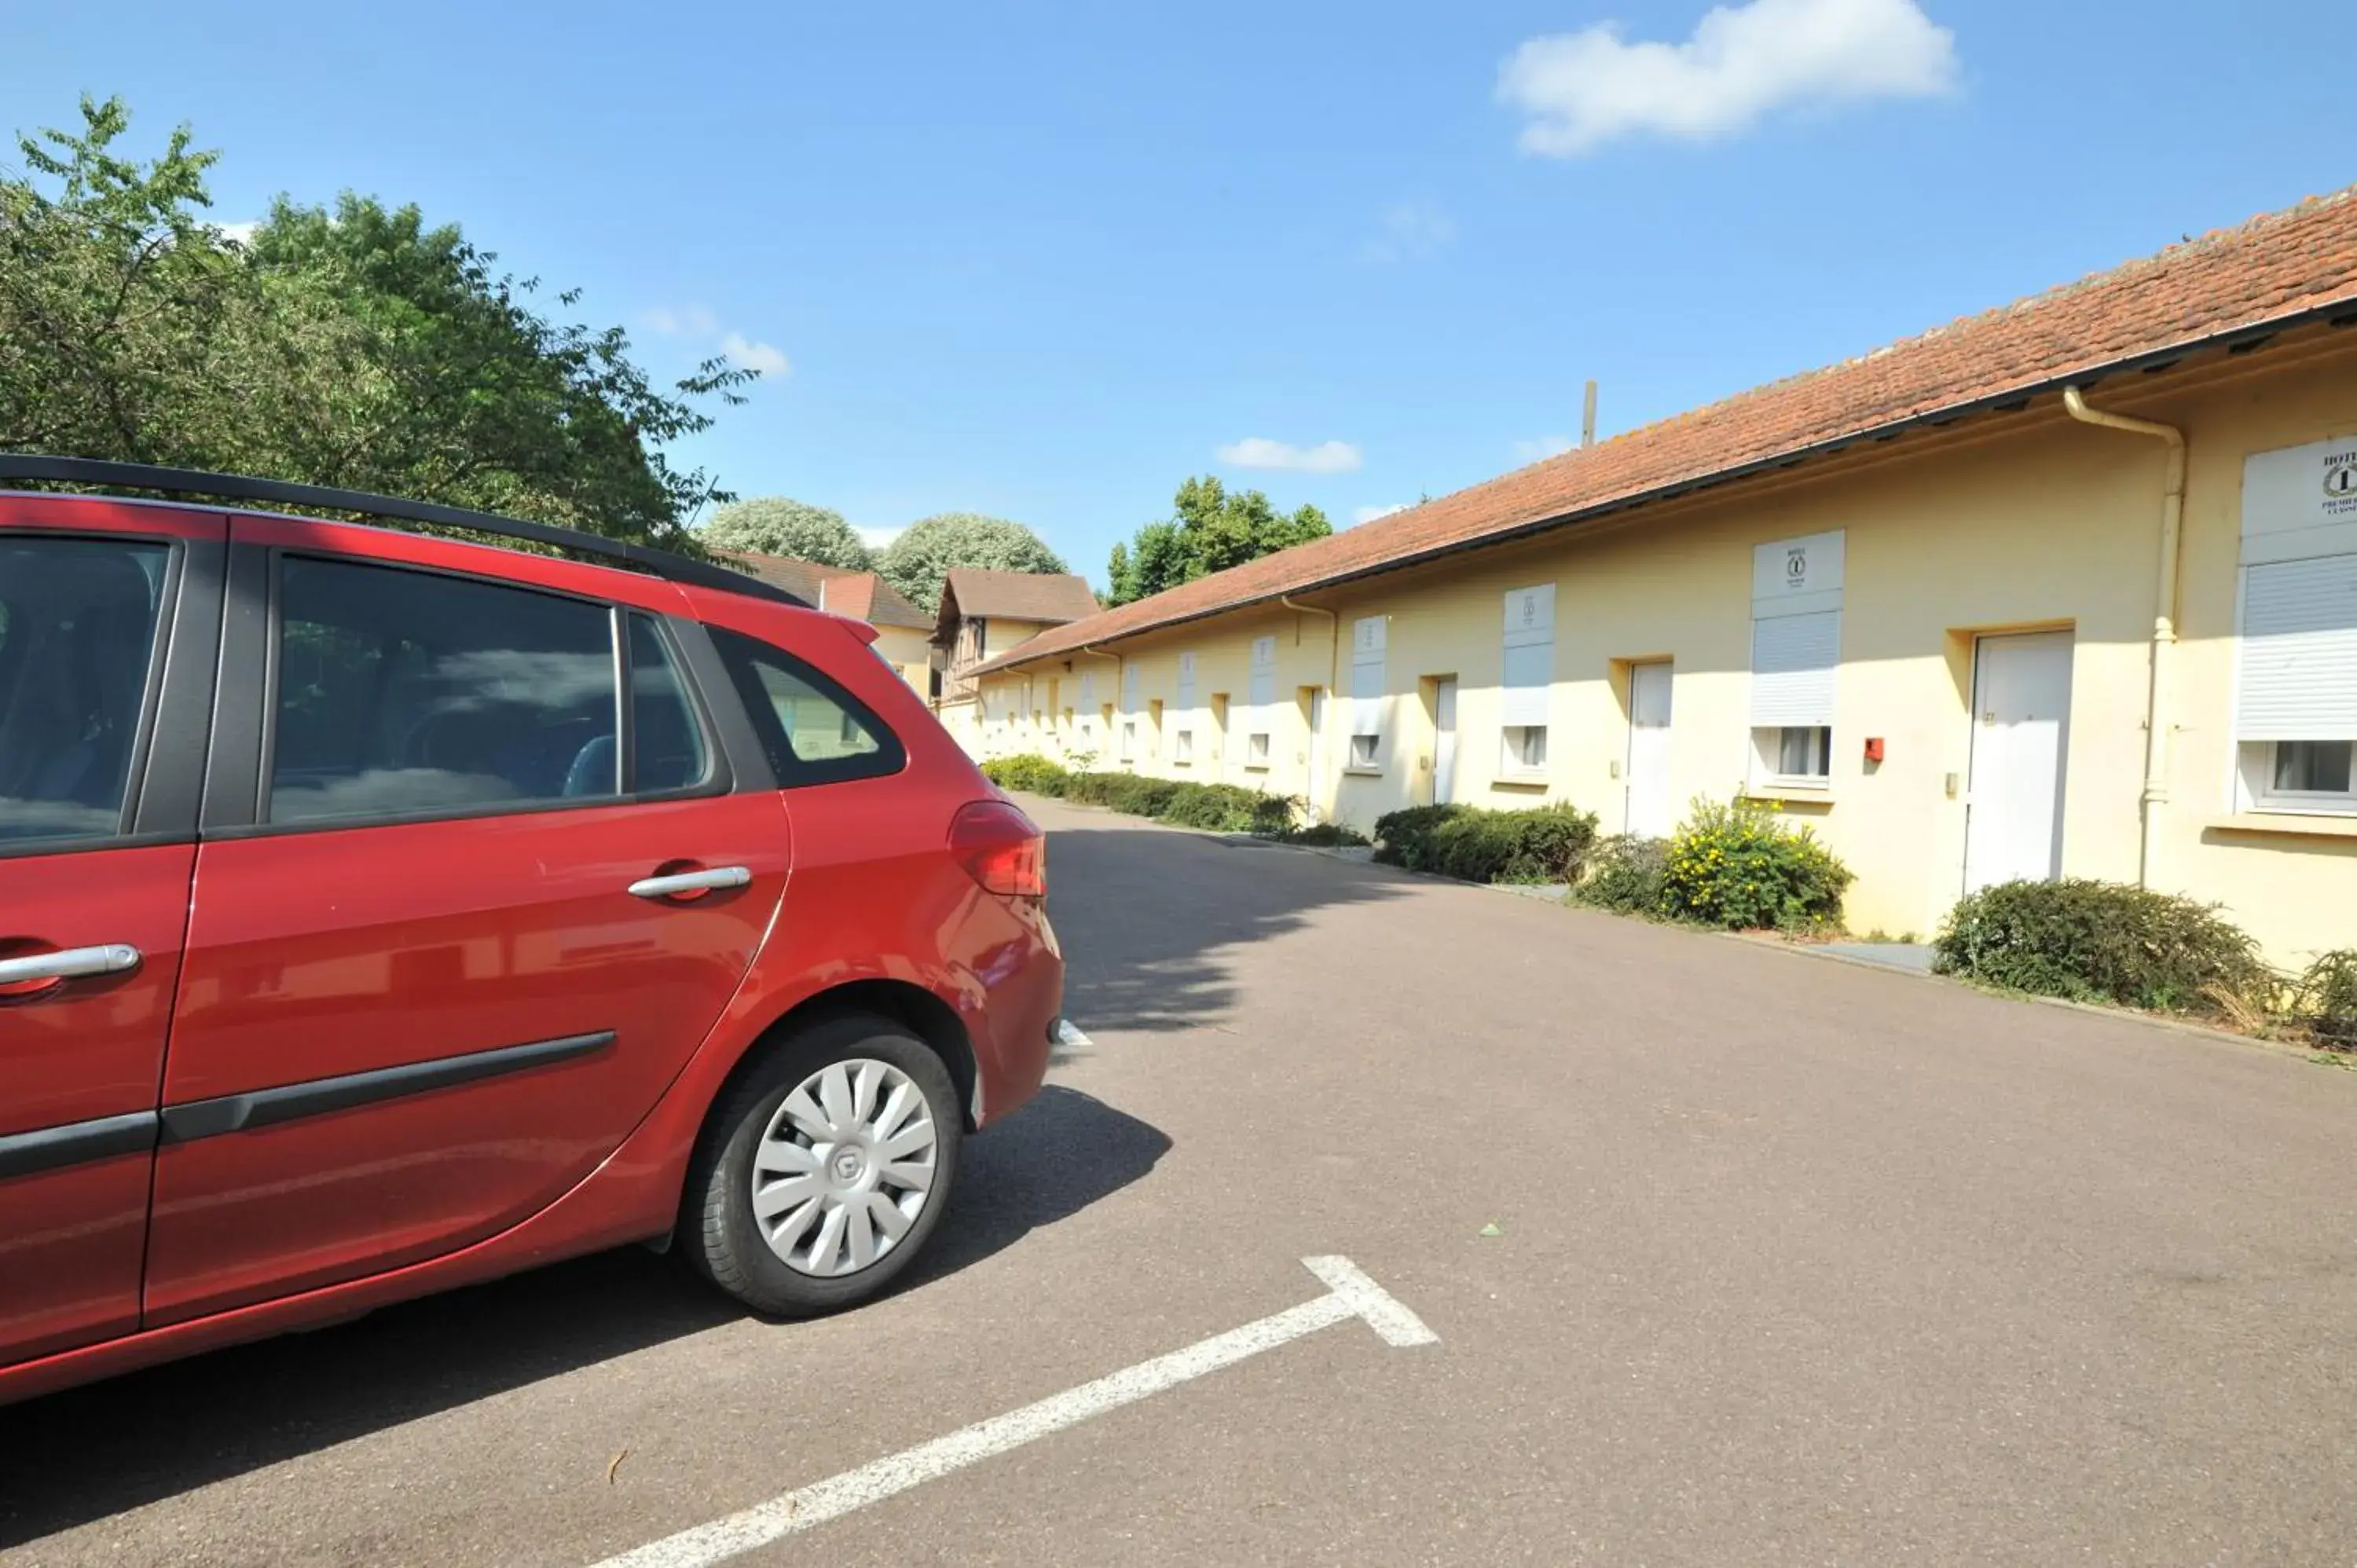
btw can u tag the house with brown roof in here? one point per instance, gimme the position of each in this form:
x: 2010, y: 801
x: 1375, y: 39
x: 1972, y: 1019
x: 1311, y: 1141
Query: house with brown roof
x: 903, y: 632
x: 986, y: 615
x: 2067, y: 588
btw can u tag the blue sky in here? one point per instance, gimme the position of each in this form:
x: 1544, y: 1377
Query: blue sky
x: 1047, y: 261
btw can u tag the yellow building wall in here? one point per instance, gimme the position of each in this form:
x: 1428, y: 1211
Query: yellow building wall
x: 910, y: 653
x: 2028, y: 521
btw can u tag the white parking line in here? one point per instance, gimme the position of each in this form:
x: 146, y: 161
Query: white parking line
x: 1350, y: 1295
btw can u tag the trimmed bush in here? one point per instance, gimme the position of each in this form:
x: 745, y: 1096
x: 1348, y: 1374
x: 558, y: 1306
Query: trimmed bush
x: 1031, y: 773
x: 1545, y: 844
x: 2326, y: 1001
x: 1741, y: 868
x: 1625, y: 876
x: 2105, y: 941
x: 1320, y: 835
x: 1224, y: 808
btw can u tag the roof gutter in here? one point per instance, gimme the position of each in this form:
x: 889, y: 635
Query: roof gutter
x: 2340, y: 313
x: 2164, y: 617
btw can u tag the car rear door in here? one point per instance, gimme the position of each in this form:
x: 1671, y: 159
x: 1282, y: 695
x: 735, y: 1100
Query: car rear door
x: 462, y: 912
x: 110, y: 620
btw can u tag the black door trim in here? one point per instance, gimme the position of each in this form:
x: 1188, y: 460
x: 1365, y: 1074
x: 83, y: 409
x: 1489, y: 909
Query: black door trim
x: 266, y: 1107
x: 75, y: 1143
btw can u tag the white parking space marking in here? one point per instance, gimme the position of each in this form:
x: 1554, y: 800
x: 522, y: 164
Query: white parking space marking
x: 1350, y: 1295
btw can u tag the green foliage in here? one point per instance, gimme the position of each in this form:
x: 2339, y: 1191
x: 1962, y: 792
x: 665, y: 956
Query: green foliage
x: 1321, y: 835
x: 356, y: 348
x: 1625, y: 876
x: 919, y: 559
x: 779, y: 525
x: 2325, y: 1000
x: 1229, y: 807
x: 1031, y: 773
x: 1741, y: 868
x: 2105, y: 941
x: 1541, y: 846
x: 1209, y: 531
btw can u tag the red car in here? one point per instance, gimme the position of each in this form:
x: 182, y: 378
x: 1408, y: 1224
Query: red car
x: 381, y: 912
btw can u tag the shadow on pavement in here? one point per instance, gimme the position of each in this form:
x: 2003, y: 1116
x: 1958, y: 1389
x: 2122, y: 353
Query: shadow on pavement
x: 80, y: 1455
x: 1145, y: 913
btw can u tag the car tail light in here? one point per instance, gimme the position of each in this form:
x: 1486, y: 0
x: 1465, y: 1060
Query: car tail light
x: 1001, y: 849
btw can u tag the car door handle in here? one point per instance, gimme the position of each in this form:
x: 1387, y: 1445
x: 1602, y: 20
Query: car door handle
x: 69, y: 963
x: 679, y: 882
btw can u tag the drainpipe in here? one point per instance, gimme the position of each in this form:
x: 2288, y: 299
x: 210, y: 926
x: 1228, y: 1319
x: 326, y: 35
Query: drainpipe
x: 2164, y: 617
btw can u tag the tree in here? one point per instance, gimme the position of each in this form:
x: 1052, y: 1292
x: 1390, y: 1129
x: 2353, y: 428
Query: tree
x: 356, y: 349
x: 779, y: 525
x: 920, y: 558
x: 1209, y: 531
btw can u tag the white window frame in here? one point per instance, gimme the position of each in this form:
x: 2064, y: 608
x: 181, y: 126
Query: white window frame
x: 1796, y: 599
x: 2296, y: 621
x: 1768, y: 756
x: 1182, y: 731
x: 1182, y: 748
x: 1515, y: 744
x: 1129, y: 740
x: 2256, y: 761
x: 1260, y: 717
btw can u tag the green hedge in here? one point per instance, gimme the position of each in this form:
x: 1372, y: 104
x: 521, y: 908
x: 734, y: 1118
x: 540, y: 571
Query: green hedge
x: 1742, y: 868
x: 2106, y: 941
x: 1625, y: 876
x: 1545, y: 844
x: 2325, y: 1001
x: 1224, y: 808
x: 1032, y: 774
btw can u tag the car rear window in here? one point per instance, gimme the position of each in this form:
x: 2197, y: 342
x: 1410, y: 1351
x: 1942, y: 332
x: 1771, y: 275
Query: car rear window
x: 814, y: 731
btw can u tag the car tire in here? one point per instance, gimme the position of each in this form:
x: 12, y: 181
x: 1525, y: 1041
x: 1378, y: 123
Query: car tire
x: 748, y: 1146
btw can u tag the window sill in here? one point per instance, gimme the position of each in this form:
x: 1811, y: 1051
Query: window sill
x: 1798, y: 792
x: 1363, y: 772
x: 1520, y: 781
x: 1256, y: 766
x: 2291, y: 825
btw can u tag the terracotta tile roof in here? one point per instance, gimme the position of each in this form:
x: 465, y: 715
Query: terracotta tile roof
x: 1019, y: 595
x: 2272, y: 269
x: 862, y: 596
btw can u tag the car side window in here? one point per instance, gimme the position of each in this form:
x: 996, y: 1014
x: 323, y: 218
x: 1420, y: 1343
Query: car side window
x: 664, y: 734
x: 403, y: 693
x: 813, y: 730
x: 78, y: 620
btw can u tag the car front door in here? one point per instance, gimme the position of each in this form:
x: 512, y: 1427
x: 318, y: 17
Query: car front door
x: 110, y: 617
x: 483, y: 909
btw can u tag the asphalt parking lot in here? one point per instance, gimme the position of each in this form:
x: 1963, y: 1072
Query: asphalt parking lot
x: 1731, y: 1255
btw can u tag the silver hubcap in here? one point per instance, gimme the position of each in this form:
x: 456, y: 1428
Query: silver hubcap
x: 845, y: 1168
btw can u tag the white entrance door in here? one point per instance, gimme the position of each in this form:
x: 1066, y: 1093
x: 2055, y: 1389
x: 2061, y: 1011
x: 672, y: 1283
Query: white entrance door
x: 1444, y: 745
x: 1651, y: 812
x: 2021, y: 733
x: 1316, y: 750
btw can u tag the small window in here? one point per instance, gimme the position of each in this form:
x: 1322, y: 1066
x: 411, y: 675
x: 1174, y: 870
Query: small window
x: 814, y: 731
x: 403, y: 693
x: 77, y: 632
x: 1366, y: 751
x: 1129, y: 740
x: 1182, y: 747
x: 1525, y: 748
x: 1792, y: 753
x: 2302, y: 774
x: 1257, y: 749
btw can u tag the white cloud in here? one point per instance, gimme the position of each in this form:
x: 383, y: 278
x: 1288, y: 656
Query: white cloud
x: 1369, y: 513
x: 878, y: 538
x: 1581, y: 90
x: 1543, y: 447
x: 765, y: 358
x: 1260, y: 452
x: 1410, y: 231
x: 682, y: 321
x: 241, y: 232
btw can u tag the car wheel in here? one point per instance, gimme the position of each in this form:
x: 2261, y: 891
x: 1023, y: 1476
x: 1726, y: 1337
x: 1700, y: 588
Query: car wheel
x: 826, y: 1169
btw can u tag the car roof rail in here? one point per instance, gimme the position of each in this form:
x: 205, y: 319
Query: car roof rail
x: 663, y: 564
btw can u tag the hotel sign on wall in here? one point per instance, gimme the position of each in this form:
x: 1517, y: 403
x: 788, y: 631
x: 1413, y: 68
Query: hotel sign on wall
x: 2300, y: 501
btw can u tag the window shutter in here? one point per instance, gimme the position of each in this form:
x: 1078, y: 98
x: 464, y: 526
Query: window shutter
x: 2299, y: 652
x: 1186, y: 683
x: 1367, y: 638
x: 1792, y: 660
x: 1129, y: 687
x: 1088, y: 689
x: 1529, y: 656
x: 1262, y: 691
